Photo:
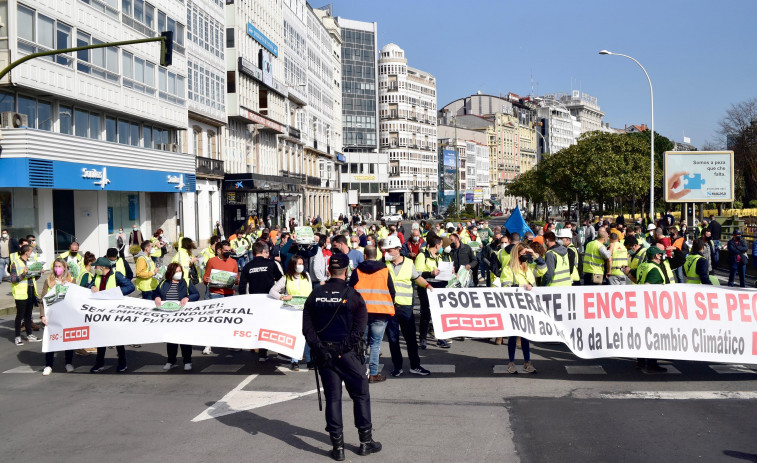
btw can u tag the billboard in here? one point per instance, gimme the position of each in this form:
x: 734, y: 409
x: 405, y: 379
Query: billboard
x: 449, y: 174
x: 478, y: 195
x: 698, y: 176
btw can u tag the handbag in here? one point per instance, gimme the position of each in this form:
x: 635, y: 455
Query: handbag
x: 597, y: 278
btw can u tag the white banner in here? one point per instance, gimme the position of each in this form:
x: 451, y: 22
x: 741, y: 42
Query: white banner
x: 686, y: 322
x: 244, y: 322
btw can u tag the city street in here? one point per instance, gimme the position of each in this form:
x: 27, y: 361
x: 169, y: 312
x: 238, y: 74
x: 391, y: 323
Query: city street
x: 233, y: 408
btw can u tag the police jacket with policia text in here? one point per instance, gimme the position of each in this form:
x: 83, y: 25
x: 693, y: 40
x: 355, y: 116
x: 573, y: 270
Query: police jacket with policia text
x: 259, y: 276
x: 350, y: 317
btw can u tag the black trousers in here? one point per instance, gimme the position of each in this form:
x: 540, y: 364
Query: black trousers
x: 353, y: 372
x: 50, y: 358
x: 425, y: 320
x: 24, y: 312
x: 121, y: 350
x: 173, y: 349
x: 403, y: 321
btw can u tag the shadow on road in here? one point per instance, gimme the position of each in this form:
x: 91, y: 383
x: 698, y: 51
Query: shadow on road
x: 741, y: 455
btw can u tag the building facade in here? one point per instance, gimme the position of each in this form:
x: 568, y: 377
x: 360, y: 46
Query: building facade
x: 583, y: 107
x: 365, y: 174
x: 407, y: 115
x: 92, y: 141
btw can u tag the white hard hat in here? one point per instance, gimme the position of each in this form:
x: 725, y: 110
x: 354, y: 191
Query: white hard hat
x: 391, y: 242
x: 449, y: 225
x: 564, y: 233
x: 651, y: 227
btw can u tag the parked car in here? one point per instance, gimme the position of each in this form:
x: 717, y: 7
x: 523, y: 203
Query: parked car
x: 497, y: 214
x: 392, y: 217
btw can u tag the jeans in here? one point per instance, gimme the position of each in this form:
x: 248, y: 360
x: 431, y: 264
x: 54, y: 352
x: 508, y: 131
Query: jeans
x: 716, y: 253
x: 404, y: 321
x: 173, y: 349
x: 3, y: 267
x: 680, y: 278
x: 524, y: 345
x: 737, y: 267
x: 374, y: 333
x: 484, y: 269
x: 148, y: 295
x: 50, y: 357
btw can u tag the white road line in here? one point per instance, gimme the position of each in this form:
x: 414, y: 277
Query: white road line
x: 499, y: 370
x: 222, y: 368
x: 434, y: 368
x: 732, y: 369
x: 288, y: 369
x: 24, y: 369
x: 682, y: 395
x: 585, y: 370
x: 153, y: 369
x: 671, y: 370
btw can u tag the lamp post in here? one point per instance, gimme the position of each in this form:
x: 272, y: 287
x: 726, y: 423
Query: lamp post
x: 651, y: 154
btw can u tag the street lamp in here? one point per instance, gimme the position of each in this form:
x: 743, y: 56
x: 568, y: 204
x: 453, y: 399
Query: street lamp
x: 651, y: 154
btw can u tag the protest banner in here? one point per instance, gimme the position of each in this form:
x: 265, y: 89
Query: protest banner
x: 243, y: 322
x: 684, y: 322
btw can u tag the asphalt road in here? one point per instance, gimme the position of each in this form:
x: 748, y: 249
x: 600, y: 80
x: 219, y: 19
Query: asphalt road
x: 232, y: 408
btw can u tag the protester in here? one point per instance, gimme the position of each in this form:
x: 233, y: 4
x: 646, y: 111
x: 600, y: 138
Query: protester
x: 146, y: 271
x: 175, y: 287
x: 294, y: 283
x: 737, y: 259
x: 221, y: 262
x: 59, y: 276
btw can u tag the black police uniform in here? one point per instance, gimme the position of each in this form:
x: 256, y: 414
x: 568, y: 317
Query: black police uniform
x: 333, y: 323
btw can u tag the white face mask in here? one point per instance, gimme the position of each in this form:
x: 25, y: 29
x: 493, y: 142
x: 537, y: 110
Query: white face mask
x: 448, y: 249
x: 503, y: 245
x: 355, y: 245
x: 416, y: 238
x: 299, y: 268
x: 177, y: 276
x: 5, y: 236
x: 388, y: 257
x: 328, y: 246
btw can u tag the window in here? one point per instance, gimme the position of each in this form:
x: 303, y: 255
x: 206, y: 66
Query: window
x: 230, y: 37
x: 82, y: 56
x: 123, y: 132
x: 65, y: 119
x: 138, y: 73
x: 138, y: 15
x: 94, y: 126
x: 134, y: 128
x: 26, y: 26
x: 109, y: 7
x: 37, y: 32
x: 28, y: 106
x: 147, y: 135
x: 170, y: 86
x: 166, y: 23
x: 110, y: 129
x: 63, y: 41
x: 81, y: 123
x: 45, y: 115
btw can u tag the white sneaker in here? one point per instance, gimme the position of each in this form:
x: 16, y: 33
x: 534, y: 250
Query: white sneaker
x: 69, y: 368
x: 169, y: 366
x: 33, y: 338
x: 187, y: 367
x: 207, y: 351
x: 47, y: 371
x: 18, y: 341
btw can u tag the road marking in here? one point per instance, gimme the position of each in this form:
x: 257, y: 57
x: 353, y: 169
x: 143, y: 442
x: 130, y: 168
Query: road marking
x: 288, y: 369
x: 153, y: 369
x: 448, y: 369
x: 682, y: 395
x: 499, y: 370
x: 238, y: 400
x: 671, y: 370
x: 222, y: 368
x: 732, y: 369
x: 585, y: 370
x: 24, y: 369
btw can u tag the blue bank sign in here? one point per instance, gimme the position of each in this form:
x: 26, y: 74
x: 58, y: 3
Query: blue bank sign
x: 253, y: 32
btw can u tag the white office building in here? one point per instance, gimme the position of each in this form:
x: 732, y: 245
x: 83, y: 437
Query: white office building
x: 92, y: 141
x: 407, y: 111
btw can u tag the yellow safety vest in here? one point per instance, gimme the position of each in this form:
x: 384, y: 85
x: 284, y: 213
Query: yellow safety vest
x: 299, y: 287
x: 110, y: 284
x: 155, y: 252
x: 183, y: 258
x: 121, y: 267
x: 207, y: 254
x: 637, y: 259
x: 619, y: 259
x: 669, y: 272
x: 522, y: 277
x: 147, y: 284
x: 504, y: 258
x: 593, y: 261
x: 403, y: 284
x: 382, y: 233
x: 561, y: 275
x: 80, y: 279
x: 690, y: 268
x: 574, y: 275
x: 20, y: 290
x: 644, y: 270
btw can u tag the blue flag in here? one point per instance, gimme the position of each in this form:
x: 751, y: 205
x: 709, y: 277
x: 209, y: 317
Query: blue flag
x: 516, y: 223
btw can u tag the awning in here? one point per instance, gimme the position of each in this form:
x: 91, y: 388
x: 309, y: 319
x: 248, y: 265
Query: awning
x: 487, y: 203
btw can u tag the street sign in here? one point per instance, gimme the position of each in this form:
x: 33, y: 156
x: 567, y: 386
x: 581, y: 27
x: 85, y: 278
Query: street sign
x: 698, y: 176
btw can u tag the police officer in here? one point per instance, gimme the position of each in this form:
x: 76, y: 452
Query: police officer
x: 333, y: 322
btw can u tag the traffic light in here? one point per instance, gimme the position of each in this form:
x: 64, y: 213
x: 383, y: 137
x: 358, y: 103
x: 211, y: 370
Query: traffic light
x: 166, y: 48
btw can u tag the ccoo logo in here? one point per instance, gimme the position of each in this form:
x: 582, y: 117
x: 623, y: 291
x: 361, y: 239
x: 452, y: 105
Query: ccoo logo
x: 276, y: 337
x: 80, y: 333
x: 470, y: 322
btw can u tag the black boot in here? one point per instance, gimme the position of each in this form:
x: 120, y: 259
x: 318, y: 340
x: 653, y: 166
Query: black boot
x: 337, y: 440
x: 367, y: 444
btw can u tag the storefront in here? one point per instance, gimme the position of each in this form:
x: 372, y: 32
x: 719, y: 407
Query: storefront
x: 273, y: 199
x: 61, y: 202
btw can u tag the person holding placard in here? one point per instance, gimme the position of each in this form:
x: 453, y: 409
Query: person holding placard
x: 294, y: 283
x: 59, y: 276
x: 176, y: 288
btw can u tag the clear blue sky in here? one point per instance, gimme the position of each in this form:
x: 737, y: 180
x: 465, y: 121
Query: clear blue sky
x: 701, y: 54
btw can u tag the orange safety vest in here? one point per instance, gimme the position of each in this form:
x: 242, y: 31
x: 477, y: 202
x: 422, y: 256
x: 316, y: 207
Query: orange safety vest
x: 373, y: 288
x: 679, y: 244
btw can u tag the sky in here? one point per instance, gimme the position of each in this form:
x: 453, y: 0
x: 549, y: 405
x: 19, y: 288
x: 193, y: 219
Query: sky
x: 701, y: 55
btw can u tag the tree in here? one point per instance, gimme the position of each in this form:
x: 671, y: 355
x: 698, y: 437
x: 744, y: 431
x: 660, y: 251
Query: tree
x: 738, y: 132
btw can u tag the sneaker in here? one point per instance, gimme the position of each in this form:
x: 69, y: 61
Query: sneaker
x: 376, y: 378
x: 47, y: 371
x: 18, y: 341
x: 528, y: 367
x: 121, y: 368
x: 443, y: 344
x: 33, y: 338
x: 420, y: 371
x: 97, y: 369
x: 396, y: 373
x: 207, y: 351
x: 295, y: 366
x: 188, y: 366
x: 69, y: 368
x: 169, y: 366
x: 423, y: 344
x: 511, y: 368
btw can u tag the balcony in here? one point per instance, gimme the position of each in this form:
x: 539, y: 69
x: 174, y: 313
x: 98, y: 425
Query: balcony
x: 210, y: 168
x: 312, y: 181
x: 295, y: 133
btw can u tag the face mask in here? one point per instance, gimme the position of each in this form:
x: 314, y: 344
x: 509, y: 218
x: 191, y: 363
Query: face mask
x: 177, y: 276
x: 58, y: 271
x: 98, y: 271
x: 226, y: 255
x: 355, y: 245
x: 448, y: 249
x: 416, y: 238
x: 503, y: 245
x: 369, y: 243
x: 525, y: 258
x: 388, y: 257
x: 453, y: 245
x: 299, y: 268
x: 73, y: 253
x: 328, y: 246
x: 5, y: 236
x: 134, y: 228
x: 473, y: 233
x: 120, y: 231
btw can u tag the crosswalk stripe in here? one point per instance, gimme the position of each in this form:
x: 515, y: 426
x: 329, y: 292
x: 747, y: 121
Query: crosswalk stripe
x: 24, y: 369
x: 671, y: 370
x: 446, y: 369
x: 222, y: 368
x: 152, y: 369
x: 288, y: 369
x: 681, y: 395
x: 732, y: 369
x: 585, y: 370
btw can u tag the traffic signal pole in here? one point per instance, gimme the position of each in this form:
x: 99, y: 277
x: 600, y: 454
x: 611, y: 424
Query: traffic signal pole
x: 163, y: 39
